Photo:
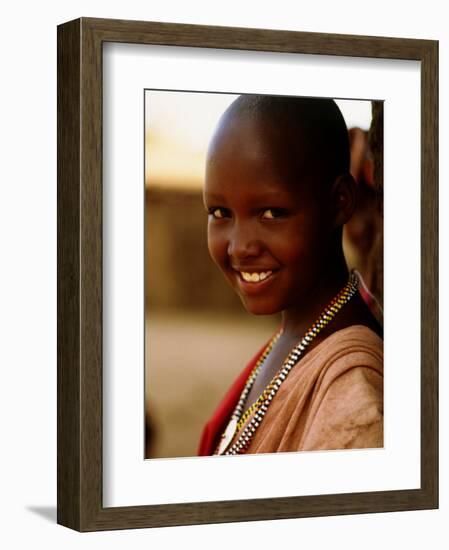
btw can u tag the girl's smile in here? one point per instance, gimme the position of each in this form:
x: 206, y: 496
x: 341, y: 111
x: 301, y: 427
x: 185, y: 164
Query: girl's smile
x: 254, y: 282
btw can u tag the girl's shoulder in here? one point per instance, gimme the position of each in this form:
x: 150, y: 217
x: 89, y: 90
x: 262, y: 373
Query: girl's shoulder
x: 353, y: 347
x: 358, y: 333
x: 351, y: 339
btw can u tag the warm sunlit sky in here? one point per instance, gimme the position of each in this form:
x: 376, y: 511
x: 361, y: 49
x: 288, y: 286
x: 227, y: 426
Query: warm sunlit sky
x: 179, y: 125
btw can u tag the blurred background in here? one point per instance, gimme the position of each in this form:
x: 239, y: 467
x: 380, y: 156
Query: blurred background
x: 198, y: 337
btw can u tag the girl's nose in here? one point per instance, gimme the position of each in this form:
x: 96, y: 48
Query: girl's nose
x: 243, y: 243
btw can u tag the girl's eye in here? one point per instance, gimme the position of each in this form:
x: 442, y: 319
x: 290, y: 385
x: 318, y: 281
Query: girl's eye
x: 272, y: 213
x: 218, y: 213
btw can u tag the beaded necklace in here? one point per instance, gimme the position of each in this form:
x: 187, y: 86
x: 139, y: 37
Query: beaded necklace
x: 260, y: 406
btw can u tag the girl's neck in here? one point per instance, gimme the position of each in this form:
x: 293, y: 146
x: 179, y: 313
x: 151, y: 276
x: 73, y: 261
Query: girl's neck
x: 299, y: 318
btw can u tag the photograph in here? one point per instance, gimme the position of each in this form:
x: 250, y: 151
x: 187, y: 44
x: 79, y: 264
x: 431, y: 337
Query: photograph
x: 263, y: 274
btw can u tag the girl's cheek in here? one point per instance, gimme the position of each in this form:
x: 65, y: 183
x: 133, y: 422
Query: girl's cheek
x: 217, y: 248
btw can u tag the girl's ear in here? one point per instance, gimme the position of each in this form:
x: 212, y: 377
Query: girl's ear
x: 344, y: 198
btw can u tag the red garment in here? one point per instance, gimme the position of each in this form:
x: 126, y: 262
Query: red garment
x: 217, y: 424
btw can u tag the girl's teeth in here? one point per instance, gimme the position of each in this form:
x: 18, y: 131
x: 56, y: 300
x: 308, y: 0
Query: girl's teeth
x: 255, y: 277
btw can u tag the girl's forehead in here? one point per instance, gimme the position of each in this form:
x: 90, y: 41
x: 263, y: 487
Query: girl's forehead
x: 258, y: 174
x: 266, y: 190
x: 258, y: 144
x: 257, y: 131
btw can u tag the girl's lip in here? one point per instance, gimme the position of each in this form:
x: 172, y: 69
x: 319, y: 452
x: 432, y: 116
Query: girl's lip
x: 251, y: 288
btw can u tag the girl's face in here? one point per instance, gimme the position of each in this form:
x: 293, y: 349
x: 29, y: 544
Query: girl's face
x: 268, y: 228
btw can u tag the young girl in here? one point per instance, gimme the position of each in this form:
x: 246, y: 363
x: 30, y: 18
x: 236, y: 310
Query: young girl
x: 278, y: 192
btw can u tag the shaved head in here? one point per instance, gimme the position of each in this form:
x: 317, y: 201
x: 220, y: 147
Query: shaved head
x: 307, y: 135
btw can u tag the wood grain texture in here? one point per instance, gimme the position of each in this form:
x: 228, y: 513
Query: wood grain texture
x: 143, y: 32
x: 80, y: 352
x: 429, y: 271
x: 68, y: 317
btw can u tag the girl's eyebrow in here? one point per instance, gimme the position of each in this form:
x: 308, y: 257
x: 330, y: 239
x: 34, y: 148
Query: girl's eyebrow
x: 270, y: 197
x: 215, y: 197
x: 259, y: 196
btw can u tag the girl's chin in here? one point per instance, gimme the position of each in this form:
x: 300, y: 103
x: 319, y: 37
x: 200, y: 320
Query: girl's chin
x: 258, y: 307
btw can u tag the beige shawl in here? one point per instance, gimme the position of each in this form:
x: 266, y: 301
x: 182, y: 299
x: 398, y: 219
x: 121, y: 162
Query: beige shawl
x: 332, y: 399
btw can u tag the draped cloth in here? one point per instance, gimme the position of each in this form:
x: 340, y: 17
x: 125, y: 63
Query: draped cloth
x: 331, y: 399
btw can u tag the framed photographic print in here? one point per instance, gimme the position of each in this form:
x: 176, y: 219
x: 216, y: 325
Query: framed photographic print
x: 227, y: 191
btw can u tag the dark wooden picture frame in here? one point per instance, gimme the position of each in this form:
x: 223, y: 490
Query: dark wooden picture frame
x: 80, y: 466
